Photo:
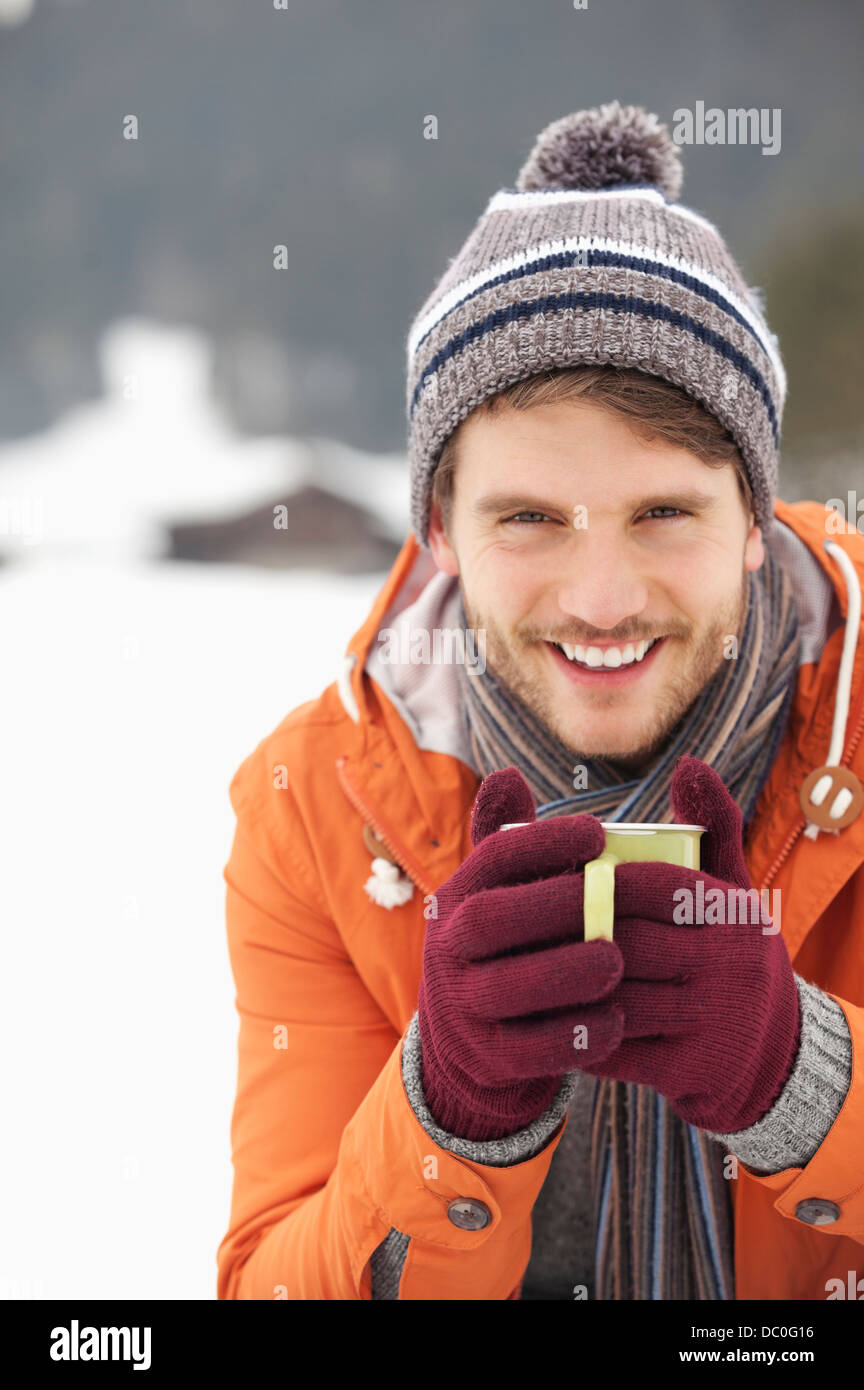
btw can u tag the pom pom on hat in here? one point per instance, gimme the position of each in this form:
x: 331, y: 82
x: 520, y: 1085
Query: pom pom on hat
x: 605, y: 147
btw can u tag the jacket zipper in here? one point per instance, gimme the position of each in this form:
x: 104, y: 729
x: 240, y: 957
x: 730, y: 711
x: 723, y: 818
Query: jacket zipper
x: 785, y: 851
x: 410, y: 870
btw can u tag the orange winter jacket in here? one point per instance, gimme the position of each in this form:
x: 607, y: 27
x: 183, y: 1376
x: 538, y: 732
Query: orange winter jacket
x: 328, y: 1154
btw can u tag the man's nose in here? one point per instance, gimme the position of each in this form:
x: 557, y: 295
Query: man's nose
x: 601, y: 585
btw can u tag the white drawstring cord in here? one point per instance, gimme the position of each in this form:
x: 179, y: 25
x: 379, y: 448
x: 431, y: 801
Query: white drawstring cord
x: 844, y: 681
x: 343, y: 685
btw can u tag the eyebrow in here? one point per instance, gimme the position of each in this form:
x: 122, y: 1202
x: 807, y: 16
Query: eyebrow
x: 497, y: 502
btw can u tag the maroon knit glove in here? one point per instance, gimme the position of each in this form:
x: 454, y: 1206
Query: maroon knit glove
x: 505, y: 977
x: 710, y: 1011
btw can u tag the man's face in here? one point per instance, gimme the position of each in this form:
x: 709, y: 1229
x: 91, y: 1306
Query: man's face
x: 567, y: 528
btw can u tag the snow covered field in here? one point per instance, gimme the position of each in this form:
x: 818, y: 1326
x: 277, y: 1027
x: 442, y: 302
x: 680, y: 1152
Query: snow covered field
x: 132, y: 690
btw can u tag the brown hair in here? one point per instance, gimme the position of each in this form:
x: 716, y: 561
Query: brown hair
x: 653, y: 408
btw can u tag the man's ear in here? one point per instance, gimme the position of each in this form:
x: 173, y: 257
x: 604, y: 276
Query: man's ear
x: 442, y: 551
x: 754, y: 548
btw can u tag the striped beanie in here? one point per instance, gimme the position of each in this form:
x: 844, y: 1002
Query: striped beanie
x: 590, y: 260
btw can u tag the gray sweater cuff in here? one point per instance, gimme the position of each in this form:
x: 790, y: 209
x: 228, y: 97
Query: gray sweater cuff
x: 799, y: 1120
x: 495, y: 1153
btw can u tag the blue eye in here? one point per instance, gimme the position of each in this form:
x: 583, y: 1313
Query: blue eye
x: 529, y: 518
x: 676, y: 510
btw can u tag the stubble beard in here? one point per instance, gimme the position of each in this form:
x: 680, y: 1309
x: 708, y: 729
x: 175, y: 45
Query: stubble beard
x: 697, y: 659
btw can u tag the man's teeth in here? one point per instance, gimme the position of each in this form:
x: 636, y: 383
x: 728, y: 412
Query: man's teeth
x: 607, y: 656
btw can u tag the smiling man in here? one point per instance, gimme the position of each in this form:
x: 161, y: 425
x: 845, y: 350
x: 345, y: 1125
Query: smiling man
x: 445, y: 1091
x: 605, y: 570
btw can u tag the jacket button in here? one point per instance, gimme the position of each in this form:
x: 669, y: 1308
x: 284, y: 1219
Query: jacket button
x: 468, y: 1214
x: 817, y: 1211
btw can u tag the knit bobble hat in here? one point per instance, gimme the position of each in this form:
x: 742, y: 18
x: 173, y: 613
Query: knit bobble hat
x: 590, y: 260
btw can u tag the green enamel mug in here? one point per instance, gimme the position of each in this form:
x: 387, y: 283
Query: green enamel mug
x: 628, y: 842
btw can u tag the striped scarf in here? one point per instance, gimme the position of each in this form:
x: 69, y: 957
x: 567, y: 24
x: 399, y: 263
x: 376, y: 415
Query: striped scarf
x: 662, y: 1204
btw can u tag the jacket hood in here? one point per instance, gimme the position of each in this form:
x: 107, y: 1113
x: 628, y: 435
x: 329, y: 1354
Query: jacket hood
x: 827, y: 575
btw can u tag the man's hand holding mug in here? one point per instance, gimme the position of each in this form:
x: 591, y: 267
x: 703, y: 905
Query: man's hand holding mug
x: 704, y: 1013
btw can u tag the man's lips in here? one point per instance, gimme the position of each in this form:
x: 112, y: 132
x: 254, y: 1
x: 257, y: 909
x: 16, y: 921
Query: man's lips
x: 605, y: 676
